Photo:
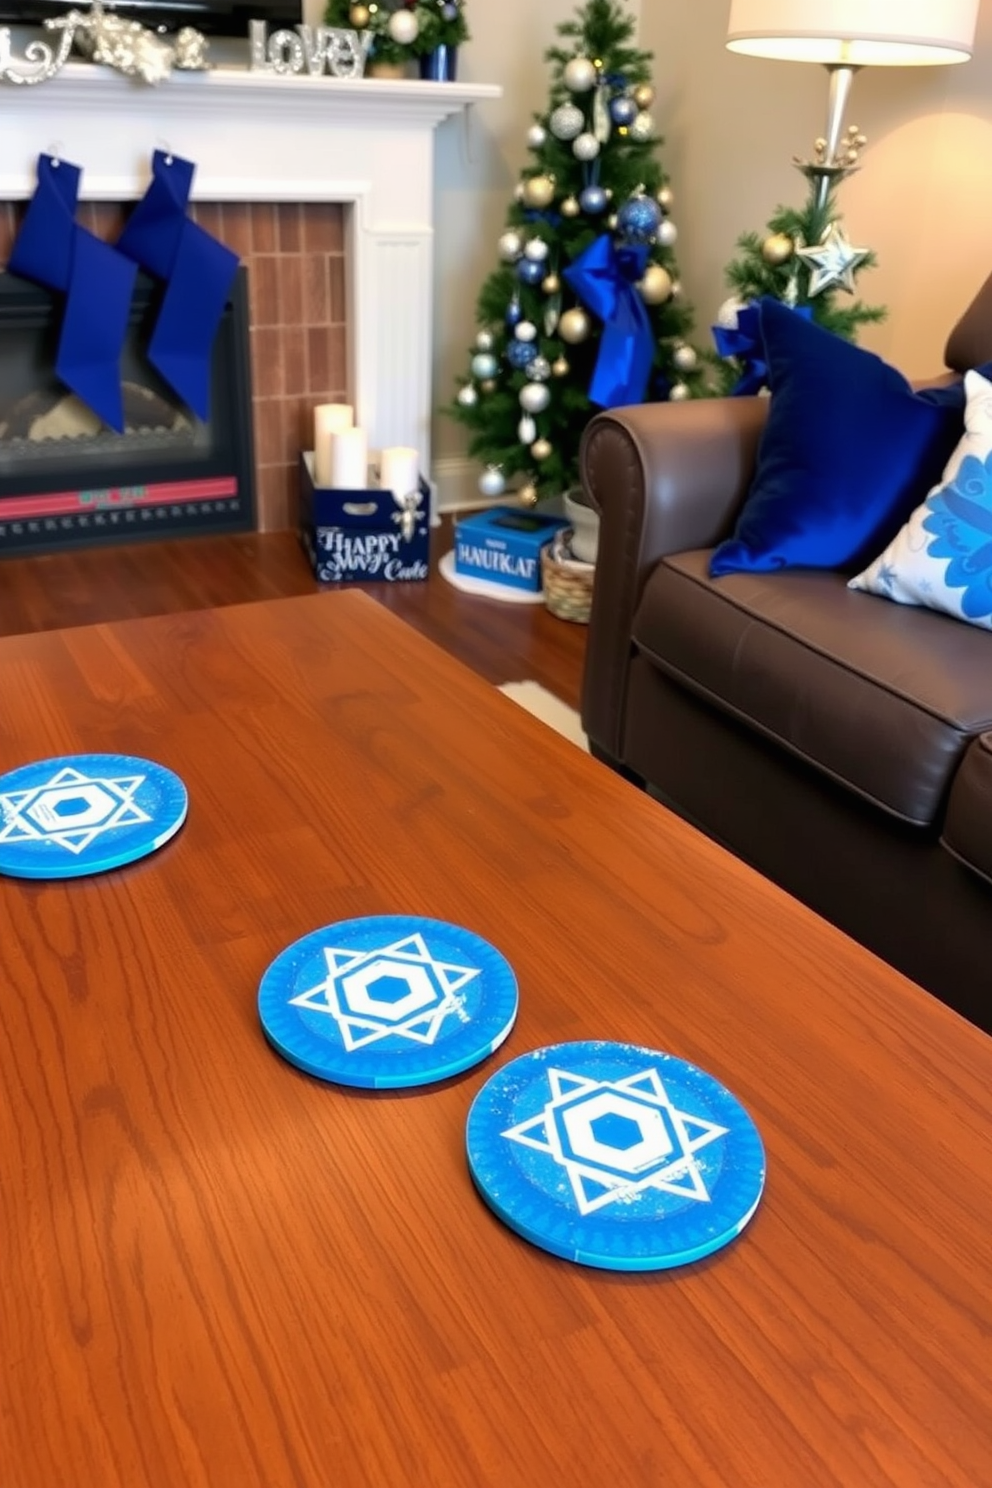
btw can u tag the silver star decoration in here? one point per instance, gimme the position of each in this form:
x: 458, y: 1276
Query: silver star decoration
x: 832, y: 261
x: 399, y: 990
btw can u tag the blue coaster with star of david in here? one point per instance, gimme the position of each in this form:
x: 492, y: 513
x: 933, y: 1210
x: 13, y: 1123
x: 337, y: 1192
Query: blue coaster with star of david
x: 615, y: 1156
x: 86, y: 813
x: 388, y: 1001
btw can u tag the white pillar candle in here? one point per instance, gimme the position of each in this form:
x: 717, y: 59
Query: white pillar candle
x: 399, y: 470
x: 328, y: 419
x: 349, y: 460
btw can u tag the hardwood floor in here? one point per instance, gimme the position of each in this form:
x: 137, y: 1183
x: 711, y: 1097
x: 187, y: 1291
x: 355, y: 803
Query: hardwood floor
x: 501, y: 642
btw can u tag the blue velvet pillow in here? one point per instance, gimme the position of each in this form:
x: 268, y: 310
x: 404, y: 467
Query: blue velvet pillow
x: 848, y: 452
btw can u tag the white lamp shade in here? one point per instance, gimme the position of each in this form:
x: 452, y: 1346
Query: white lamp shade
x: 855, y: 33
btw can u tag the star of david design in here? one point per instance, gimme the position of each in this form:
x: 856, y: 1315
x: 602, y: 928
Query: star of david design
x: 396, y: 989
x: 71, y: 809
x: 616, y: 1139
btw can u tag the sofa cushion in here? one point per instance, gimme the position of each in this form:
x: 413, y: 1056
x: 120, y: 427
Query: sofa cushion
x: 968, y: 825
x: 849, y: 449
x: 942, y: 556
x: 883, y: 698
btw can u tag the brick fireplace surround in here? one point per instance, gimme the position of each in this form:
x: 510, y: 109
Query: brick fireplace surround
x: 324, y: 187
x: 294, y: 254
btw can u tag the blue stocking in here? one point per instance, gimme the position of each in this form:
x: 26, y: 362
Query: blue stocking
x: 198, y: 272
x: 52, y: 249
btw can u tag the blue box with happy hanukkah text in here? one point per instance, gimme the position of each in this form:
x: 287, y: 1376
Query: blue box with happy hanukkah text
x: 363, y: 536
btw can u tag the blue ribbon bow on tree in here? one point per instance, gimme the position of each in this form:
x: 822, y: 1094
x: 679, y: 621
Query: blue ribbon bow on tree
x: 52, y: 249
x: 605, y: 279
x: 198, y: 272
x: 746, y: 345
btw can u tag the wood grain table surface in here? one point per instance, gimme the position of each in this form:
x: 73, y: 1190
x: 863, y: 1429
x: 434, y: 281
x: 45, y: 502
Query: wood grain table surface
x: 220, y: 1273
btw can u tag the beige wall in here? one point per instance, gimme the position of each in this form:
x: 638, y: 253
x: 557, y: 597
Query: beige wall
x: 923, y: 199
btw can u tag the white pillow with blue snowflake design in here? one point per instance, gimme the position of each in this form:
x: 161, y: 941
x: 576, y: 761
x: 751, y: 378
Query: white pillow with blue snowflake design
x: 942, y: 557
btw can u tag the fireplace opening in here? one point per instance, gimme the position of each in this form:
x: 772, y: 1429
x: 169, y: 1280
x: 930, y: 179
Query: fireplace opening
x: 67, y: 480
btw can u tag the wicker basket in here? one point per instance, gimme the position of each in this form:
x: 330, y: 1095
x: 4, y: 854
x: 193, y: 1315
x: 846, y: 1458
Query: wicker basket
x: 567, y: 583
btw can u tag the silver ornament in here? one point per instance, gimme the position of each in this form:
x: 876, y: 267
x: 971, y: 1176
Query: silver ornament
x: 403, y: 26
x: 484, y: 341
x: 525, y: 330
x: 467, y: 396
x: 536, y: 249
x: 602, y: 124
x: 536, y: 135
x: 492, y: 481
x: 534, y: 397
x: 679, y: 393
x: 566, y: 121
x: 642, y: 128
x: 538, y: 369
x: 483, y: 364
x: 685, y: 358
x: 580, y: 75
x: 726, y: 316
x: 510, y: 245
x: 40, y: 62
x: 541, y: 449
x: 526, y: 430
x: 574, y: 326
x: 585, y: 147
x: 667, y: 233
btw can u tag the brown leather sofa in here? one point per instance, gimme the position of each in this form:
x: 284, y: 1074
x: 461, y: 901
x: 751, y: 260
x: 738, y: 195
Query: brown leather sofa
x: 838, y: 742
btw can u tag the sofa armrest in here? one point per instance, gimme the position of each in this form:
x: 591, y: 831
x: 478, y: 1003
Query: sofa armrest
x: 665, y: 478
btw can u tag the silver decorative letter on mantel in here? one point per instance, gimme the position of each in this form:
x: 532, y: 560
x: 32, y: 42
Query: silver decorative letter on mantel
x: 40, y: 61
x: 313, y: 49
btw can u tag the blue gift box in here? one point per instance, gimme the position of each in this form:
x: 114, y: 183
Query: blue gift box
x: 504, y: 545
x: 362, y: 536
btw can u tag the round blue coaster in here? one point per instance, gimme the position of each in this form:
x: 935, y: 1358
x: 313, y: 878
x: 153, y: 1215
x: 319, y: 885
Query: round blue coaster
x: 615, y: 1156
x: 388, y: 1001
x: 86, y: 813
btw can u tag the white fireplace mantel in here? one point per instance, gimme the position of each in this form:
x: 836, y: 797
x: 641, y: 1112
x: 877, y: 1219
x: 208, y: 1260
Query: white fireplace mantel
x: 255, y: 136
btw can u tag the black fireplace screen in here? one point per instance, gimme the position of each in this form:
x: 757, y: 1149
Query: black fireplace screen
x: 67, y: 480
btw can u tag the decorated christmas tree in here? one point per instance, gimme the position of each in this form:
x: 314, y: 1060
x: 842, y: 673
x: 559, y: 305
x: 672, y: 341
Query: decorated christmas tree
x: 805, y: 259
x: 585, y: 310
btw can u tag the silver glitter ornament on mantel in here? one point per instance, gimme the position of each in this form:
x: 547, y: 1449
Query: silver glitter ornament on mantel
x: 104, y: 37
x: 40, y: 61
x: 585, y: 147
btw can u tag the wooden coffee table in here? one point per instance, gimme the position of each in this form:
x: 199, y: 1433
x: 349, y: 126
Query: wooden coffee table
x: 219, y: 1273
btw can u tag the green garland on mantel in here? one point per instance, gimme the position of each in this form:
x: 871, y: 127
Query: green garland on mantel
x: 437, y: 23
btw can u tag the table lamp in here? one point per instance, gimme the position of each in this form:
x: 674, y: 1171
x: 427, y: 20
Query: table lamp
x: 844, y: 35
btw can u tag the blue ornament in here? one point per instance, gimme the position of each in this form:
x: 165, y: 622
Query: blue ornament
x: 449, y: 12
x: 593, y: 199
x: 623, y: 110
x: 520, y: 354
x: 529, y: 272
x: 639, y: 219
x: 514, y: 314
